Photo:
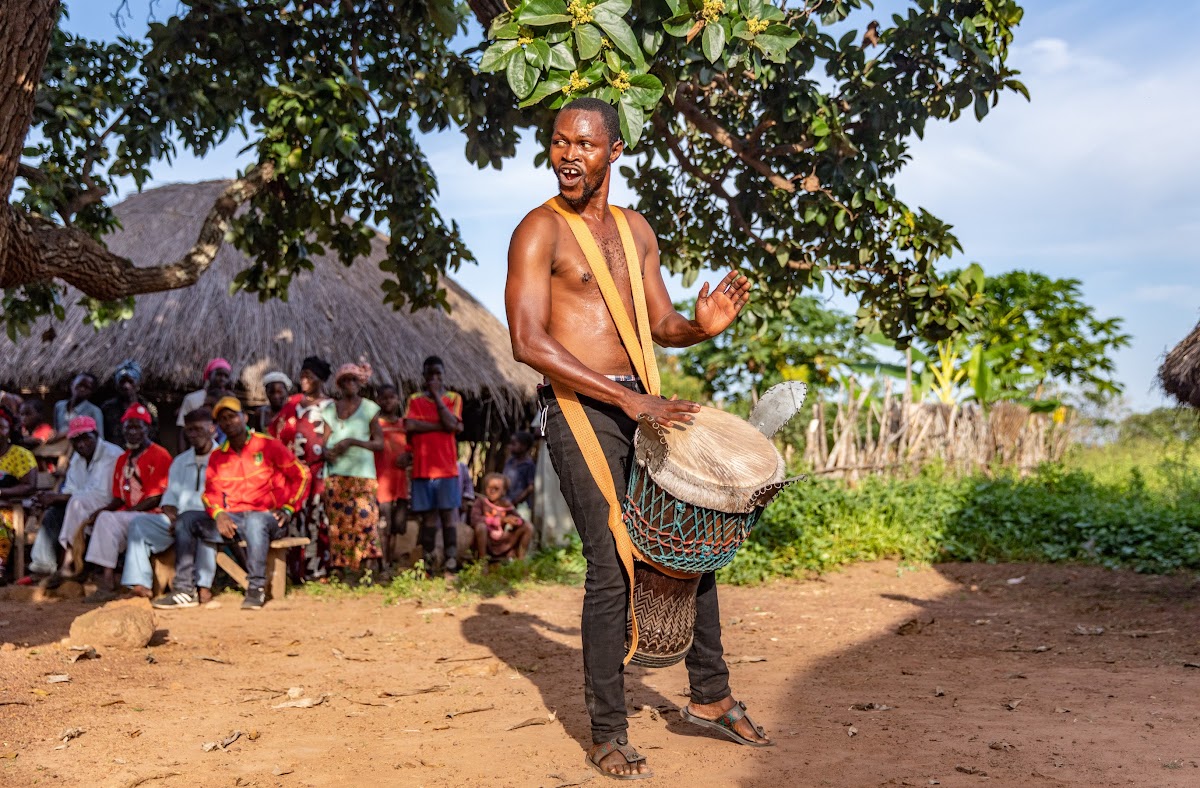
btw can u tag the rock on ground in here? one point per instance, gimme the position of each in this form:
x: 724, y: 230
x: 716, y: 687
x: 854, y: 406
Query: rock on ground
x: 126, y: 623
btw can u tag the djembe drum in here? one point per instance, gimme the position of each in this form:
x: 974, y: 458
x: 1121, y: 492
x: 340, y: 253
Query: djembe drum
x: 694, y: 495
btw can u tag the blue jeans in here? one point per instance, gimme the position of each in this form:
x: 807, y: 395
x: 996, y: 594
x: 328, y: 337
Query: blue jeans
x: 258, y: 529
x: 196, y: 540
x: 149, y: 534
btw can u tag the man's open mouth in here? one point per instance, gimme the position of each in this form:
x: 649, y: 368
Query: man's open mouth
x: 569, y: 175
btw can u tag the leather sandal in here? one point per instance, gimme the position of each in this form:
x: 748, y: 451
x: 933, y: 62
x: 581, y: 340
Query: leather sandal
x: 726, y: 722
x: 632, y: 757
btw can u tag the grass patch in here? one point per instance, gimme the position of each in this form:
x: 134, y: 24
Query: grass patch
x: 551, y: 566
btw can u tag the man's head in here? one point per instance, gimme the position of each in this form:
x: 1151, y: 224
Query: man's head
x: 433, y: 369
x: 585, y: 142
x: 82, y: 386
x: 277, y: 387
x: 128, y: 379
x: 198, y: 429
x: 520, y: 444
x: 135, y: 426
x: 217, y: 375
x: 229, y: 416
x: 83, y: 433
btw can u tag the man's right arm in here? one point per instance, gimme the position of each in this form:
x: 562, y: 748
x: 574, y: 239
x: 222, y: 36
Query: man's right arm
x: 527, y: 303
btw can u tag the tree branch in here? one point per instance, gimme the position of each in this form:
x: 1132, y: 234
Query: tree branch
x: 723, y: 137
x: 718, y: 188
x: 42, y: 250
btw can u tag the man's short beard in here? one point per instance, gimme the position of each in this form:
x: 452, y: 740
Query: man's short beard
x: 589, y: 190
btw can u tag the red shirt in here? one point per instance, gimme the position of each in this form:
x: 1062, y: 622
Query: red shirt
x: 303, y: 432
x: 435, y: 454
x: 145, y: 478
x: 263, y: 476
x: 393, y: 481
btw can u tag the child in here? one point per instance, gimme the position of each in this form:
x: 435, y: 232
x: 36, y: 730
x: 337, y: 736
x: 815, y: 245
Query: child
x: 499, y: 531
x: 391, y: 468
x: 521, y: 470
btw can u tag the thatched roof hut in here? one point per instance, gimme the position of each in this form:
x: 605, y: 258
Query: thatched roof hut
x: 332, y: 311
x: 1180, y: 370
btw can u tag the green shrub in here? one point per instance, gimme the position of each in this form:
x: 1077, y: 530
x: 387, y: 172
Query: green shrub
x: 1055, y: 514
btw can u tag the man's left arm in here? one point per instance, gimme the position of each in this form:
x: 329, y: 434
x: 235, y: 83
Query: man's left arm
x: 715, y: 310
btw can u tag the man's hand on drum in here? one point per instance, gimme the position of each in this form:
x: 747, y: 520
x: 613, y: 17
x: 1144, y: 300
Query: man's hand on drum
x: 715, y: 310
x: 664, y: 412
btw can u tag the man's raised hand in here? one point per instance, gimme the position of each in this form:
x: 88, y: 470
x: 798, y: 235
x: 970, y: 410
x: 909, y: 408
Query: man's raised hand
x: 717, y: 309
x: 663, y: 412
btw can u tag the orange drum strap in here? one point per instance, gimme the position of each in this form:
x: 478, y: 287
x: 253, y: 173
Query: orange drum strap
x: 641, y: 354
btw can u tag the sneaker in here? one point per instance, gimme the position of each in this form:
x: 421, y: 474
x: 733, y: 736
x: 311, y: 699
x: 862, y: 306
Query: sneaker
x: 178, y: 599
x: 255, y: 599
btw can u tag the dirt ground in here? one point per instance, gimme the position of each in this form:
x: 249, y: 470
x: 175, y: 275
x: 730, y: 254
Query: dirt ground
x: 995, y: 683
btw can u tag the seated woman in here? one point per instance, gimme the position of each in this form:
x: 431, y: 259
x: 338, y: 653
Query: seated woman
x: 499, y: 531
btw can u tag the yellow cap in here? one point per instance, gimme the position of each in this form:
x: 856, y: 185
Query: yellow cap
x: 226, y: 403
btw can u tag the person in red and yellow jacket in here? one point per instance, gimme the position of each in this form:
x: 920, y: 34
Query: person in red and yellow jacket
x: 252, y: 486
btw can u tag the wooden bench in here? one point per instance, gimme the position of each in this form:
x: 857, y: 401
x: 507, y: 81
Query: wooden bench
x: 164, y: 566
x: 25, y: 528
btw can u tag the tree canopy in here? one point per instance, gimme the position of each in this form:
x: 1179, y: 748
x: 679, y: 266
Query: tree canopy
x: 763, y: 137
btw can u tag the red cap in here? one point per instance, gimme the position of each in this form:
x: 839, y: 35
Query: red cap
x: 137, y: 412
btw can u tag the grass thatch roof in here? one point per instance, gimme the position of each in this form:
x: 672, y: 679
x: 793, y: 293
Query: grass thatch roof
x: 1180, y: 370
x: 333, y: 311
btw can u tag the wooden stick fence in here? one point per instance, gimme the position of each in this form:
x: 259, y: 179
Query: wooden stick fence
x: 896, y: 435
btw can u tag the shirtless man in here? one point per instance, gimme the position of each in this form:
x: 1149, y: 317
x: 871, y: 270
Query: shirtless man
x: 561, y: 327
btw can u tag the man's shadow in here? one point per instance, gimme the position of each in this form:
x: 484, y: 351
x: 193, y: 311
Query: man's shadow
x: 555, y: 668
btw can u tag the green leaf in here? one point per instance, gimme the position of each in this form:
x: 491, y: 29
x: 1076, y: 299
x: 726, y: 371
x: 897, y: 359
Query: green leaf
x: 621, y: 35
x: 533, y: 10
x: 496, y: 56
x: 617, y: 8
x: 521, y: 78
x: 554, y: 82
x: 819, y: 127
x: 713, y: 42
x: 561, y: 58
x: 645, y: 90
x: 633, y: 119
x: 587, y: 41
x: 545, y: 21
x: 679, y: 26
x: 504, y: 31
x: 753, y: 8
x: 537, y: 54
x: 981, y: 106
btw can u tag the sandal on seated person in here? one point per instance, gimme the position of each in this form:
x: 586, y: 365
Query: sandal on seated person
x: 616, y: 754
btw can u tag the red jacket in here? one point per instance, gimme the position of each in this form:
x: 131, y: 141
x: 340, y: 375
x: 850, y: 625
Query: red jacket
x: 263, y: 476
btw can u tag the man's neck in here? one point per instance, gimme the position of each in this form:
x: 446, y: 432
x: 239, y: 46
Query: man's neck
x: 238, y: 440
x: 205, y: 450
x: 136, y: 450
x: 595, y: 208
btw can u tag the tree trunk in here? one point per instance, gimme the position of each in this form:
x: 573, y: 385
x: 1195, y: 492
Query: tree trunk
x: 25, y: 31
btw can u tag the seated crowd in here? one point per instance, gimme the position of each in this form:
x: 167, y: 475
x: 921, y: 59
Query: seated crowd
x: 342, y: 472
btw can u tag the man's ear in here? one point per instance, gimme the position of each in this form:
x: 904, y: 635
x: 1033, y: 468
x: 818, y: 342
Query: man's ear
x: 617, y: 149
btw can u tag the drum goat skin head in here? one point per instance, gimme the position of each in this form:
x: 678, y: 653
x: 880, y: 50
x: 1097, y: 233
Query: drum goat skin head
x: 719, y: 461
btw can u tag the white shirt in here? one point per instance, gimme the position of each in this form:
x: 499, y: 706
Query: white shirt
x: 191, y: 402
x: 185, y: 482
x: 94, y: 476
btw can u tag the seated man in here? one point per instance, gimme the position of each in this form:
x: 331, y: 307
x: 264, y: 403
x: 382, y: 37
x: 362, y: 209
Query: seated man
x: 500, y: 533
x: 138, y: 482
x: 253, y: 485
x: 183, y: 523
x: 86, y: 489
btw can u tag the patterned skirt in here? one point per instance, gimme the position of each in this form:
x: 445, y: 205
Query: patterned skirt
x: 353, y: 514
x: 7, y: 535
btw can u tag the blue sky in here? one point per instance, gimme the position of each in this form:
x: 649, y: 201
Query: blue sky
x: 1094, y: 179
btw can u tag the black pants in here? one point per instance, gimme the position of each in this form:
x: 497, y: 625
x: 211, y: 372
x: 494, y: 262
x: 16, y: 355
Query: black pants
x: 606, y: 588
